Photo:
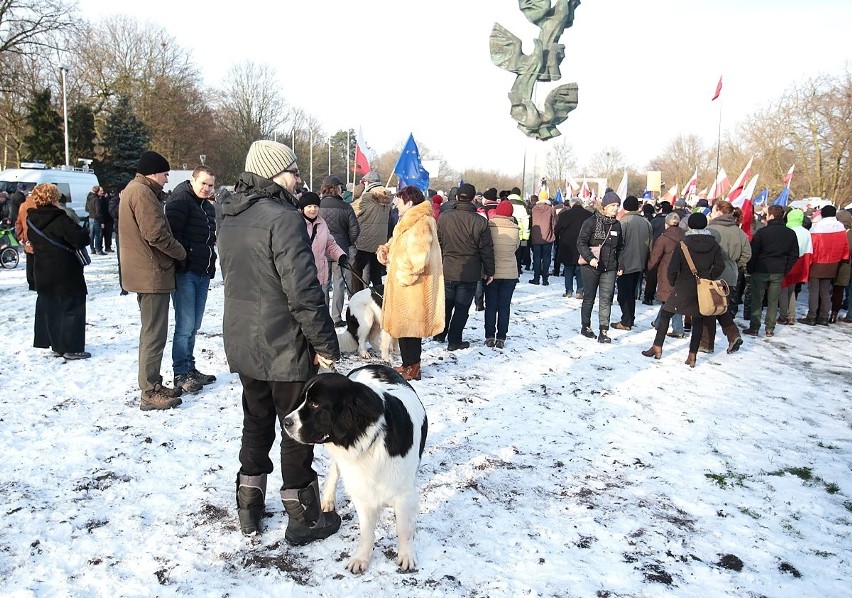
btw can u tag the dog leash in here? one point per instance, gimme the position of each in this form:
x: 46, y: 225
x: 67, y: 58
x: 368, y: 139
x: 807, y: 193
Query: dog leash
x: 364, y: 282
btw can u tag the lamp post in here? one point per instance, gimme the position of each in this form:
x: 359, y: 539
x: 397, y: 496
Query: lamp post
x: 64, y: 69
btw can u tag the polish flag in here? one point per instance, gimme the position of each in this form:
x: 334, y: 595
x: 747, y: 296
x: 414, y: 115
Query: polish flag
x: 585, y: 192
x: 739, y: 184
x: 718, y: 89
x: 671, y: 195
x: 573, y: 185
x: 691, y: 185
x: 747, y: 193
x: 789, y: 176
x: 801, y: 269
x: 363, y: 154
x: 720, y: 186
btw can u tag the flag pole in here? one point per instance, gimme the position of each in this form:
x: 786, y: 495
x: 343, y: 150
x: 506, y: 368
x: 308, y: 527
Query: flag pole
x: 348, y: 145
x: 718, y: 141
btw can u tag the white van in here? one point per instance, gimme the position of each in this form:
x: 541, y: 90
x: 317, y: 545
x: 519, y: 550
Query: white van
x: 75, y: 184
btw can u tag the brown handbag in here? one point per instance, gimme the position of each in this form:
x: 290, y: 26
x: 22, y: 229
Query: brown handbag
x: 712, y: 294
x: 596, y: 250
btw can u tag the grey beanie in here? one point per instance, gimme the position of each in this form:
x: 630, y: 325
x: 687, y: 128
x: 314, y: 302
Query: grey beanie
x: 610, y: 197
x: 371, y: 177
x: 269, y: 158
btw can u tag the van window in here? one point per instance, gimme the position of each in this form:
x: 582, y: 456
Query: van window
x: 64, y: 189
x: 12, y: 186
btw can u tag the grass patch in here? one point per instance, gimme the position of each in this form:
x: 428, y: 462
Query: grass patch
x: 832, y: 447
x: 848, y: 505
x: 806, y: 474
x: 724, y: 480
x: 749, y: 512
x: 832, y: 488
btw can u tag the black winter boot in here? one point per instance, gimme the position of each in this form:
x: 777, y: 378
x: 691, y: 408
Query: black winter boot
x: 251, y: 501
x: 307, y: 521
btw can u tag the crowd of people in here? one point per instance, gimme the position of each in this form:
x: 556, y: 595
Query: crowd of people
x: 290, y: 257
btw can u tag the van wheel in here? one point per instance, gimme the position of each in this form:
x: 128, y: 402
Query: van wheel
x: 9, y: 258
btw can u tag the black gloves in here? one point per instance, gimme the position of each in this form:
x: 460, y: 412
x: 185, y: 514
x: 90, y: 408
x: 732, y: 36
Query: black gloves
x: 343, y: 261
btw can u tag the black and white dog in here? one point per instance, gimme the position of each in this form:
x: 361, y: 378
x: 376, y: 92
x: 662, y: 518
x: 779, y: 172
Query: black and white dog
x: 374, y: 427
x: 363, y: 323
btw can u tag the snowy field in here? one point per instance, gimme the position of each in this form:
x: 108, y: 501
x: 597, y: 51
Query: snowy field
x: 557, y: 467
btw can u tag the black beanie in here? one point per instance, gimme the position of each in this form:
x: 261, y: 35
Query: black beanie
x: 828, y: 211
x: 152, y: 163
x: 631, y: 203
x: 697, y: 221
x: 308, y: 198
x: 491, y: 194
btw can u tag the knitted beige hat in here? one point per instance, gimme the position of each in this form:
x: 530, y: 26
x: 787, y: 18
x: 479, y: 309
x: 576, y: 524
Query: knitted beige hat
x: 268, y: 158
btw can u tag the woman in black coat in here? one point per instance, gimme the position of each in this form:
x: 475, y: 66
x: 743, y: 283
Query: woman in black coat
x: 58, y: 275
x: 709, y: 263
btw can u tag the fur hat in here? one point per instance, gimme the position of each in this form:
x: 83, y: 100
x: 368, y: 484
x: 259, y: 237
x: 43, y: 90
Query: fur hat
x: 152, y: 163
x: 697, y: 221
x: 269, y: 158
x: 611, y: 197
x: 505, y: 208
x: 308, y: 198
x: 468, y: 190
x: 631, y: 203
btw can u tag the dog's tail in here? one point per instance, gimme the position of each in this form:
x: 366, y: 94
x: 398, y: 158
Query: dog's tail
x: 346, y: 341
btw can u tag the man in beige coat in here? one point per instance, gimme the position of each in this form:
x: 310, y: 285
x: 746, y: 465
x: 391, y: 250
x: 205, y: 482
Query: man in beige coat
x: 148, y: 254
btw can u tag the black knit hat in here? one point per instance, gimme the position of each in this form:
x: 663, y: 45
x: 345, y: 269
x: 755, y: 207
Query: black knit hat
x: 828, y: 211
x: 697, y: 221
x: 152, y: 163
x: 491, y: 194
x: 631, y: 203
x: 468, y: 191
x: 308, y: 198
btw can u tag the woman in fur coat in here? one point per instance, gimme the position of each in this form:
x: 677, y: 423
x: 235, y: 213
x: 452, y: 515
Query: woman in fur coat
x: 413, y: 305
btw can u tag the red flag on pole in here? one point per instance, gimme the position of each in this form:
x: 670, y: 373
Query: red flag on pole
x: 718, y: 89
x: 363, y: 153
x: 789, y: 176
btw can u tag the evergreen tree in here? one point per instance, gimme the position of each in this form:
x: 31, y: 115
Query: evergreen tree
x: 44, y: 140
x: 81, y: 133
x: 125, y: 139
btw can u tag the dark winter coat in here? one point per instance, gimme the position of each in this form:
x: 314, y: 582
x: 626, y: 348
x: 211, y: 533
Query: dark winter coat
x: 275, y: 309
x: 709, y: 263
x: 466, y: 244
x: 611, y: 247
x: 103, y: 202
x: 193, y: 223
x: 661, y: 256
x: 56, y: 270
x: 774, y: 249
x: 93, y: 205
x: 568, y: 225
x: 113, y: 207
x: 341, y: 221
x: 16, y: 200
x: 658, y: 225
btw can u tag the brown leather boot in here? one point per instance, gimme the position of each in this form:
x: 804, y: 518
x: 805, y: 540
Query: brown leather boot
x: 655, y: 351
x: 690, y: 359
x: 708, y: 337
x: 735, y: 341
x: 409, y: 372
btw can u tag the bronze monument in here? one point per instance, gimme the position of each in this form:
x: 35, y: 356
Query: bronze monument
x: 541, y: 65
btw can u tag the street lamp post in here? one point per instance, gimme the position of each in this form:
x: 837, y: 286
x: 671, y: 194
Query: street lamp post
x: 64, y: 69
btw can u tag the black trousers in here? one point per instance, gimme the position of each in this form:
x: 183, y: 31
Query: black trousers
x: 264, y: 403
x: 410, y: 349
x: 60, y: 323
x: 107, y: 233
x: 650, y: 284
x: 627, y: 284
x: 361, y: 261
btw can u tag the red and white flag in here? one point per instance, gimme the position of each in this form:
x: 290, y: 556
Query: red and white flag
x: 718, y: 89
x: 747, y: 193
x: 720, y: 186
x: 789, y: 176
x: 585, y: 192
x: 671, y: 195
x: 572, y: 185
x: 363, y: 155
x: 801, y: 269
x: 739, y: 184
x: 691, y: 185
x: 829, y: 242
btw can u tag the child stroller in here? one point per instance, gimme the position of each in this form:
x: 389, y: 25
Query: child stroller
x: 8, y: 246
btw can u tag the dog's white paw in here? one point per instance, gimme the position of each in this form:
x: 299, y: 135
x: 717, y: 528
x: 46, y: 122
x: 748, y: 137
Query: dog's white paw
x: 357, y: 565
x: 327, y: 505
x: 364, y: 354
x: 407, y: 560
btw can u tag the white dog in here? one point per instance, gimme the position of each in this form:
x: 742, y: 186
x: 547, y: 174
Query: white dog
x: 363, y: 323
x: 374, y: 428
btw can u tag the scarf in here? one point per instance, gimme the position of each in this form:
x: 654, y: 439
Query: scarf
x: 603, y: 226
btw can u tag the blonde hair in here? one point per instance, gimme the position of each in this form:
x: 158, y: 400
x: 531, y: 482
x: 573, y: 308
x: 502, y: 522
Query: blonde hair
x: 45, y: 194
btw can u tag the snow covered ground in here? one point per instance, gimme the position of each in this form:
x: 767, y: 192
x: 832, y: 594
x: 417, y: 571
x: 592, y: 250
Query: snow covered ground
x: 557, y: 467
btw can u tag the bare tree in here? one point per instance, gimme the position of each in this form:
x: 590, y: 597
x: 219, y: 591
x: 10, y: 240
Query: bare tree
x: 561, y: 162
x: 609, y: 163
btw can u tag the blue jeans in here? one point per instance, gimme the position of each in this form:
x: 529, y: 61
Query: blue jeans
x: 189, y: 299
x: 95, y: 237
x: 572, y: 273
x: 498, y: 298
x: 457, y: 299
x: 541, y: 260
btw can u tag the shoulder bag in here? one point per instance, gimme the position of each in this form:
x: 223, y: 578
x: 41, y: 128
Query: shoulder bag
x: 712, y: 294
x: 596, y: 250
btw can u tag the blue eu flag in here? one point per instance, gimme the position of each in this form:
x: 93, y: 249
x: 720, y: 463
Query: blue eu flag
x: 408, y: 167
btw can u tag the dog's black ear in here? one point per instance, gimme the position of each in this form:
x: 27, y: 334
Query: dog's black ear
x: 360, y: 407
